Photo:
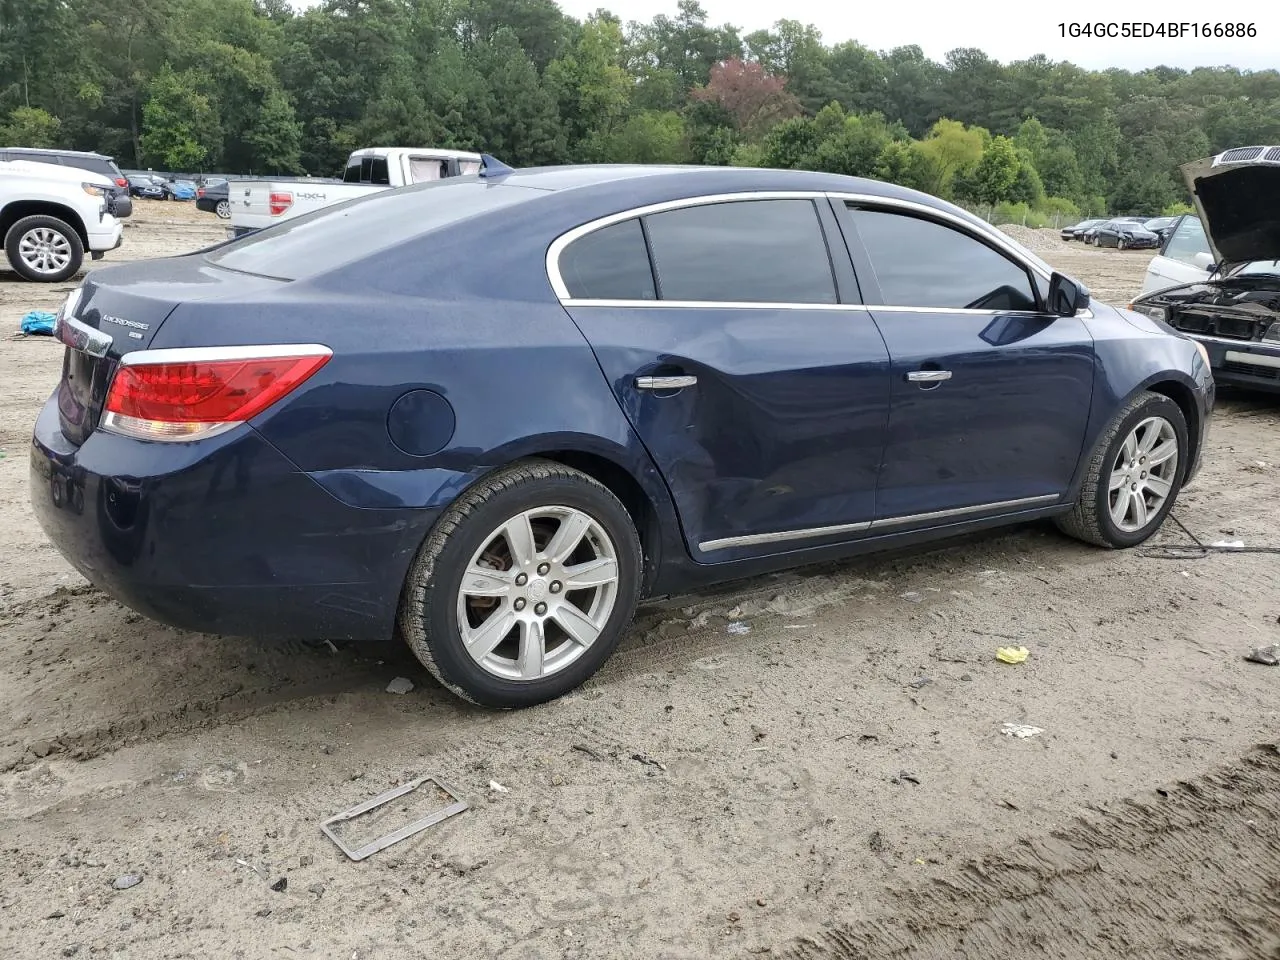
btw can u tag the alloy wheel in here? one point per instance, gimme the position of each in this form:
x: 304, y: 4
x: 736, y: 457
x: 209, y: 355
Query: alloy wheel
x: 45, y: 250
x: 538, y: 593
x: 1143, y: 474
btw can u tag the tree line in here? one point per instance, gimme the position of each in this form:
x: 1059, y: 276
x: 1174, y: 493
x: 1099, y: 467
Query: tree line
x: 252, y: 86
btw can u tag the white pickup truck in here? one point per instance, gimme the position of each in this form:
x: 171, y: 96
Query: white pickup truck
x: 50, y: 215
x: 261, y: 203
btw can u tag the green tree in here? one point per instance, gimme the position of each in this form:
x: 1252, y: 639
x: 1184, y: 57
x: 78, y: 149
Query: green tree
x: 30, y: 127
x: 649, y: 137
x: 591, y: 86
x: 996, y: 173
x: 179, y: 128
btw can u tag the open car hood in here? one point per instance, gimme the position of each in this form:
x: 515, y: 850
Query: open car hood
x: 1237, y: 194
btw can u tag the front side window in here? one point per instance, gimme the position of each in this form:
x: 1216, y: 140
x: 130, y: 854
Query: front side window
x: 749, y: 251
x: 1187, y: 241
x: 922, y: 263
x: 609, y: 264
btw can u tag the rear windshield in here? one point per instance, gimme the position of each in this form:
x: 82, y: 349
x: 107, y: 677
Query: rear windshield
x: 346, y: 232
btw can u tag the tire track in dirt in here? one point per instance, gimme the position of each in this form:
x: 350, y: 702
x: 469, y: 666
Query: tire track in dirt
x: 1193, y: 871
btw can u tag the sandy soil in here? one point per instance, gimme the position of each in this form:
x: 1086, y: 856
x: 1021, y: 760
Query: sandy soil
x: 832, y: 783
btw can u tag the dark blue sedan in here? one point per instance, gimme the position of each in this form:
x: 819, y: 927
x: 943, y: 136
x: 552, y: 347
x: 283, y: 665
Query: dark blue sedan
x: 497, y: 411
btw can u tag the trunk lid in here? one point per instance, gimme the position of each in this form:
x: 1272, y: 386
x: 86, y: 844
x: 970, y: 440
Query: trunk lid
x: 1237, y: 195
x: 120, y: 310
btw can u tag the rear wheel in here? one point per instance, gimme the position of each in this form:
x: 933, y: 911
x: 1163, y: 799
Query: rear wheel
x: 223, y: 210
x: 44, y: 249
x: 1133, y: 476
x: 524, y: 586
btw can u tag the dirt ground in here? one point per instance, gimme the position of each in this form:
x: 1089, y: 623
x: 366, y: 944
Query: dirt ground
x: 831, y: 783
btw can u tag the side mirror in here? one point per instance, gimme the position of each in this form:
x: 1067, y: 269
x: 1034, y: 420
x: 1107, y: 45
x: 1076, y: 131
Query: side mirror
x: 1066, y: 296
x: 1203, y: 260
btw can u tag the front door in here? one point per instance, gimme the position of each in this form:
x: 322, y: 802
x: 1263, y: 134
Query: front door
x: 760, y: 396
x: 990, y: 393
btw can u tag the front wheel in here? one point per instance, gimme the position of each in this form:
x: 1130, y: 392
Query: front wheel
x: 1120, y: 244
x: 524, y: 586
x: 1133, y: 475
x: 44, y: 249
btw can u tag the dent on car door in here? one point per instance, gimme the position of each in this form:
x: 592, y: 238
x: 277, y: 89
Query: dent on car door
x: 759, y: 390
x: 991, y: 393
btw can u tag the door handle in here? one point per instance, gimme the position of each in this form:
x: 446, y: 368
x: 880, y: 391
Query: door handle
x: 928, y: 376
x: 665, y: 383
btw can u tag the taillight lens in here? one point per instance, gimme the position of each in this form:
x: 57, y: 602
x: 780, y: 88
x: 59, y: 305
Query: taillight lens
x: 189, y: 394
x: 121, y: 182
x: 200, y: 193
x: 280, y: 202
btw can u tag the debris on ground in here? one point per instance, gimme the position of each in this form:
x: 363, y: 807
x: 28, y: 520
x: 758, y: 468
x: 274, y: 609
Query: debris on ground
x: 1267, y: 656
x: 456, y: 805
x: 1012, y: 654
x: 496, y: 787
x: 38, y: 322
x: 738, y: 628
x: 919, y: 682
x: 280, y: 885
x: 1020, y: 730
x: 641, y: 758
x: 583, y: 748
x: 877, y: 843
x: 1228, y: 545
x: 906, y: 776
x: 400, y: 685
x: 911, y: 596
x: 127, y: 880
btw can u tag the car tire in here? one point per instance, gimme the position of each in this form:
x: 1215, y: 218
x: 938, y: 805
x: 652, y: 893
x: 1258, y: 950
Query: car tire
x: 55, y: 238
x: 1120, y: 243
x: 223, y: 209
x: 1100, y: 516
x: 471, y: 536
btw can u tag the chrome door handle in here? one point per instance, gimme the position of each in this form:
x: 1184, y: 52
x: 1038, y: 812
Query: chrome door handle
x: 664, y: 383
x: 929, y: 376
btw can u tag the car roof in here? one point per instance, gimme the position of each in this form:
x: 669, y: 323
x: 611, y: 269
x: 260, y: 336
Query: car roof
x: 82, y: 154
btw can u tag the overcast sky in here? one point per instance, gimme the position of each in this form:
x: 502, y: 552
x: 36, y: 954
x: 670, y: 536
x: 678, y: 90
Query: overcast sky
x: 1005, y: 30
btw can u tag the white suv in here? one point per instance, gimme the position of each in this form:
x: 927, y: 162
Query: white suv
x: 50, y: 216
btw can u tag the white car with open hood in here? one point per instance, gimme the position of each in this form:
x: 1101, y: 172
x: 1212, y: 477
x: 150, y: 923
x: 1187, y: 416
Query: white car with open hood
x: 1234, y: 311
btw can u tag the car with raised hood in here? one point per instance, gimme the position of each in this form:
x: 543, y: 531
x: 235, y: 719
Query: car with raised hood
x: 494, y: 411
x: 1235, y: 311
x: 1184, y: 256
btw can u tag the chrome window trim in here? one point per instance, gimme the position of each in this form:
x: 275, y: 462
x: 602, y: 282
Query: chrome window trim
x: 812, y: 532
x: 987, y: 232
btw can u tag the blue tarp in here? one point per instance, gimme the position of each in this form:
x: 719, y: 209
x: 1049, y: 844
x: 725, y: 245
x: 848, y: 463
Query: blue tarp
x: 37, y: 321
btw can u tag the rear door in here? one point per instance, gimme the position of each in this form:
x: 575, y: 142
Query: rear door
x: 990, y: 394
x: 745, y: 363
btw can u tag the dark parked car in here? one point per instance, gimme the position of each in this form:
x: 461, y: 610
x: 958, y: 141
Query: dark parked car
x: 1075, y: 231
x: 1161, y: 226
x: 1125, y: 235
x: 120, y: 203
x: 497, y: 410
x: 214, y: 197
x: 145, y: 187
x: 1235, y: 311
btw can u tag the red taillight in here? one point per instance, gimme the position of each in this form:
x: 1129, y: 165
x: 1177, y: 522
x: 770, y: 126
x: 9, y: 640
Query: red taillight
x: 121, y: 182
x: 280, y: 202
x: 200, y: 193
x: 186, y: 394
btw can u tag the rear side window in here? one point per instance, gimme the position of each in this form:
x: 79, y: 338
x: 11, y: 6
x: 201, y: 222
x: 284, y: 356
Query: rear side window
x: 750, y: 251
x: 609, y: 264
x: 1187, y: 241
x: 921, y: 263
x: 338, y: 235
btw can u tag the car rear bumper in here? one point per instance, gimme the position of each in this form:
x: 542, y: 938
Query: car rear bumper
x: 221, y: 536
